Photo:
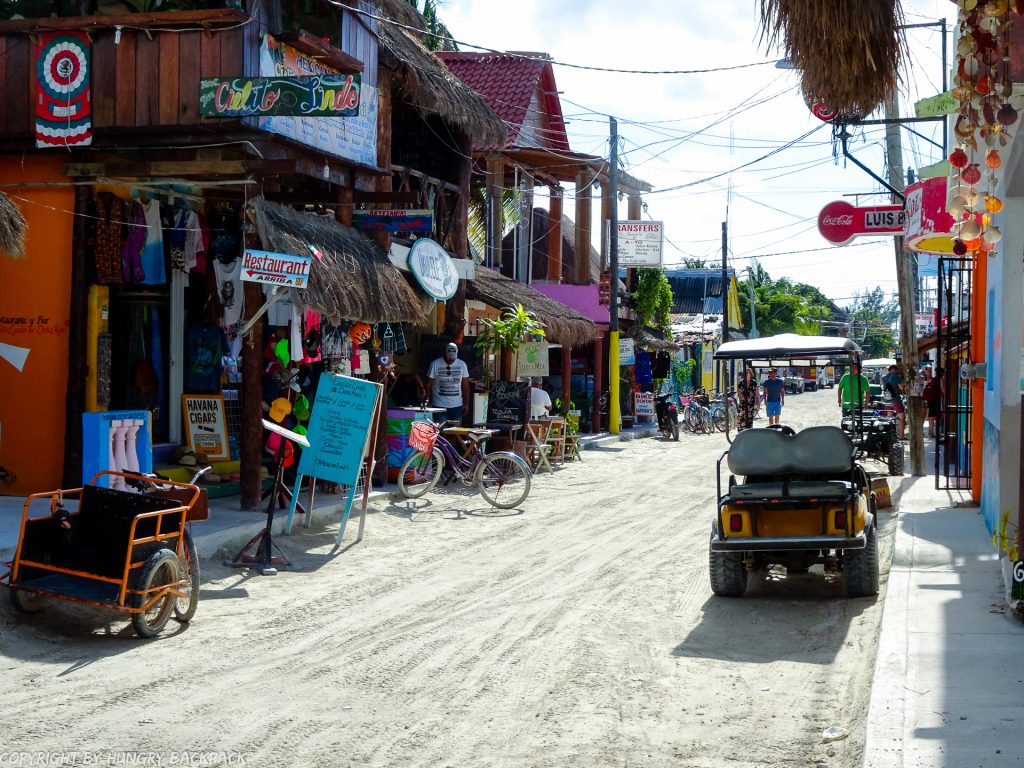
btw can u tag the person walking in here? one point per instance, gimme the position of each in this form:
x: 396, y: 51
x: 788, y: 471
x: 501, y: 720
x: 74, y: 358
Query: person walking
x: 748, y: 393
x: 448, y: 384
x: 774, y: 396
x: 932, y: 397
x: 893, y: 383
x: 853, y: 390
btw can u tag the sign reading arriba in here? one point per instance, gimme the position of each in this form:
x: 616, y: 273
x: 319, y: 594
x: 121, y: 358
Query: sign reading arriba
x: 839, y: 222
x: 314, y: 96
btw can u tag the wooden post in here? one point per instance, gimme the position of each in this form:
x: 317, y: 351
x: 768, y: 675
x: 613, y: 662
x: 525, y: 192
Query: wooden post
x: 77, y: 358
x: 634, y: 213
x: 566, y: 375
x: 495, y: 217
x: 598, y: 381
x: 343, y: 213
x: 555, y: 236
x: 606, y: 217
x: 251, y: 448
x: 584, y: 192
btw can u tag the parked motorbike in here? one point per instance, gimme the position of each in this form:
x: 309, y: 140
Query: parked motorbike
x: 668, y: 415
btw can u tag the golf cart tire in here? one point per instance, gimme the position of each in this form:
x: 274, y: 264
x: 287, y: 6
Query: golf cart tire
x: 895, y: 459
x: 728, y: 573
x: 861, y: 568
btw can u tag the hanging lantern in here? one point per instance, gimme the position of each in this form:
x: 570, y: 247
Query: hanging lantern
x: 959, y: 158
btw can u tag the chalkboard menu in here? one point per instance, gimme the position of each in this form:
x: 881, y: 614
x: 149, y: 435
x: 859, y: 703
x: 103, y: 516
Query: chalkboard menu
x: 508, y: 402
x: 338, y: 428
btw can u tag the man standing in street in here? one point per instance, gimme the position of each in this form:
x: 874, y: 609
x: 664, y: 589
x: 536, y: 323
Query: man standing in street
x: 448, y: 384
x: 774, y: 396
x: 853, y: 389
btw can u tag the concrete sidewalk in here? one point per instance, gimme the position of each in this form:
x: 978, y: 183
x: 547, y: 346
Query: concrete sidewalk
x: 947, y: 689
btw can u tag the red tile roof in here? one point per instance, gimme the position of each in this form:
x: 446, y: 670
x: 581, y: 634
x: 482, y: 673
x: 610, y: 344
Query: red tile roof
x: 507, y: 83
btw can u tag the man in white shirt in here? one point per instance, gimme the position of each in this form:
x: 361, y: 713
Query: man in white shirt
x: 540, y: 401
x: 448, y: 384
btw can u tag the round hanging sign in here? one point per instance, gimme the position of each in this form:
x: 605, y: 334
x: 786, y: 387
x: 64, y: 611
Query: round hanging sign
x: 62, y: 71
x: 433, y: 269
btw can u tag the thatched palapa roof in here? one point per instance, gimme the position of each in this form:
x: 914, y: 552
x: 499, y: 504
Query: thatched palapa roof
x: 848, y: 52
x: 13, y: 229
x: 427, y: 84
x: 351, y: 280
x: 562, y: 324
x: 652, y: 339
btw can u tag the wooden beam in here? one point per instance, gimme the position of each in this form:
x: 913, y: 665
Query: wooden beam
x: 496, y: 218
x: 396, y: 198
x: 584, y: 192
x: 322, y: 51
x: 554, y: 272
x: 171, y: 168
x: 206, y: 19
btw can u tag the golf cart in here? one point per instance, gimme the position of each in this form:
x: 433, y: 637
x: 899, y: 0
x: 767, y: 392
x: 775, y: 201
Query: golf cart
x: 793, y: 499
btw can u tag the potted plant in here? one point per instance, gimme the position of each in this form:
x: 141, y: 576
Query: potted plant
x: 505, y: 335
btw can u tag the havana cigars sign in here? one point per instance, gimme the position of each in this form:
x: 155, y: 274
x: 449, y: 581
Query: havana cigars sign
x: 840, y: 222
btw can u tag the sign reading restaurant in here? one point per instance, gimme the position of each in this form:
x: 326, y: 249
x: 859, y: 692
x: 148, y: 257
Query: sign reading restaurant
x: 640, y: 243
x: 282, y: 269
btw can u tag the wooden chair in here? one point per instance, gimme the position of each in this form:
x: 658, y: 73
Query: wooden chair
x: 556, y: 439
x: 537, y: 447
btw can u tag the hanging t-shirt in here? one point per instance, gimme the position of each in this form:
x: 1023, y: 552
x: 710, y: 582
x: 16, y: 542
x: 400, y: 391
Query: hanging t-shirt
x: 448, y: 382
x: 205, y: 346
x: 229, y: 289
x: 279, y: 313
x: 154, y: 272
x: 311, y: 337
x: 643, y: 370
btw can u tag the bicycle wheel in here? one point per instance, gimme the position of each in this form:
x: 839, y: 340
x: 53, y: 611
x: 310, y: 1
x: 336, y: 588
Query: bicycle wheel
x: 718, y: 418
x: 706, y: 422
x: 153, y: 600
x: 185, y: 607
x: 503, y: 479
x: 419, y: 474
x: 691, y: 420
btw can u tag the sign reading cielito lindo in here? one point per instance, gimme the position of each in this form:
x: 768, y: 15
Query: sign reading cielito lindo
x: 640, y: 243
x: 276, y: 268
x: 433, y: 269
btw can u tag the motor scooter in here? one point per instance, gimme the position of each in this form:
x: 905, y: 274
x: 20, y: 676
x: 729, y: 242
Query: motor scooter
x: 668, y: 415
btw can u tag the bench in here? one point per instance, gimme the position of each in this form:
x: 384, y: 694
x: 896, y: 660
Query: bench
x: 815, y: 463
x: 97, y: 540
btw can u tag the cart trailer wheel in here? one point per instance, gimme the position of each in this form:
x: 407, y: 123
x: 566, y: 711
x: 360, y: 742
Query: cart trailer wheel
x: 26, y: 602
x: 161, y: 570
x: 185, y: 607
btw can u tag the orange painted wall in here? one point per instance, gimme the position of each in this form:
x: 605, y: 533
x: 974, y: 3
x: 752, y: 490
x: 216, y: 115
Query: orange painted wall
x: 35, y: 297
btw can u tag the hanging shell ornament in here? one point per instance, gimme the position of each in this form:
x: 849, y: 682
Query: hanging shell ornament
x: 957, y: 206
x: 992, y: 235
x: 959, y: 158
x: 1007, y: 115
x: 971, y: 174
x: 993, y: 204
x: 967, y: 5
x: 959, y: 247
x: 972, y: 196
x: 993, y: 160
x: 996, y: 7
x: 970, y: 230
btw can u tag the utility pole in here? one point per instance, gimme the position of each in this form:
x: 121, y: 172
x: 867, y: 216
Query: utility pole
x: 725, y: 309
x: 613, y: 282
x: 905, y: 288
x: 753, y: 308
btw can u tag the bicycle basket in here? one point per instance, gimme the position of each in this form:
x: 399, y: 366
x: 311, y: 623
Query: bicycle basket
x: 422, y: 436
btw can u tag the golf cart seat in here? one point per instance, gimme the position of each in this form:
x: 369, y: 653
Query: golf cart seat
x: 815, y: 463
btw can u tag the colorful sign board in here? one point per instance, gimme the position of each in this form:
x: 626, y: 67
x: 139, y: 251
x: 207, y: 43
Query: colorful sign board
x: 840, y: 222
x: 640, y: 243
x: 433, y: 269
x: 415, y: 220
x: 311, y: 96
x: 644, y: 404
x: 205, y: 428
x: 532, y: 359
x: 282, y: 269
x: 936, y: 106
x: 1017, y: 590
x: 63, y: 101
x: 352, y: 138
x: 929, y: 227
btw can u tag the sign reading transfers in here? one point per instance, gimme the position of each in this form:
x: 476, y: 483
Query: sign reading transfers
x: 418, y: 220
x: 839, y: 222
x: 311, y: 96
x: 640, y: 243
x: 276, y: 268
x: 205, y: 427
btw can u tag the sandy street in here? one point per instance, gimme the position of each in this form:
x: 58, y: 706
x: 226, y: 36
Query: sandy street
x: 578, y: 631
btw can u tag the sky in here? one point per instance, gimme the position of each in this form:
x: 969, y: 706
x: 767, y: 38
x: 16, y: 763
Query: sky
x: 678, y: 129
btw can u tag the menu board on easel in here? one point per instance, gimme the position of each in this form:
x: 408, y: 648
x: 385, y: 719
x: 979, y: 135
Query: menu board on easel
x: 339, y: 434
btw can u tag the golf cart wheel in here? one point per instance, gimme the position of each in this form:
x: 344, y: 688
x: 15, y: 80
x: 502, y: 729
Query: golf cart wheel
x: 26, y: 602
x: 896, y: 459
x: 861, y: 568
x: 728, y: 573
x: 161, y: 570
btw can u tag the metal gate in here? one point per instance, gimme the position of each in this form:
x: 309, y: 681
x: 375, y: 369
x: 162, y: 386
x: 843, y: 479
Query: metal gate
x: 953, y: 446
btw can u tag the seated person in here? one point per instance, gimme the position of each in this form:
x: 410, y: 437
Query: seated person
x: 540, y: 401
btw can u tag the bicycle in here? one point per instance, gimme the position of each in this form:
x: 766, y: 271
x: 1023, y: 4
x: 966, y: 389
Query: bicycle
x: 717, y: 409
x: 696, y: 413
x: 495, y: 474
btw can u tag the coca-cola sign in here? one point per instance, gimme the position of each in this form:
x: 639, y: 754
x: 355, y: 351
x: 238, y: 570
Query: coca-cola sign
x: 839, y: 222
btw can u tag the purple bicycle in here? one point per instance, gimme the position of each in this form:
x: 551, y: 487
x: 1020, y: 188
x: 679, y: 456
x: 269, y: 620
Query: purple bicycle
x: 502, y: 478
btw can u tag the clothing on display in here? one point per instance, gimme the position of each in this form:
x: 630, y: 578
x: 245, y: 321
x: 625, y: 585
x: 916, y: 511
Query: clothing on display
x: 206, y: 347
x: 135, y: 233
x: 643, y: 370
x: 229, y: 289
x: 311, y: 337
x: 152, y: 257
x: 279, y: 314
x: 184, y: 239
x: 106, y: 238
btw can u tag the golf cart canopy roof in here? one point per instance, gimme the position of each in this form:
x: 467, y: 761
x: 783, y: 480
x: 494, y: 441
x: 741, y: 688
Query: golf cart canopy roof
x: 791, y: 349
x: 878, y: 362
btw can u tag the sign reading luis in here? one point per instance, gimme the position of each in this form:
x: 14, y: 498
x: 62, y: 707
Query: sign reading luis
x: 839, y: 222
x: 433, y: 269
x: 282, y: 269
x: 326, y: 95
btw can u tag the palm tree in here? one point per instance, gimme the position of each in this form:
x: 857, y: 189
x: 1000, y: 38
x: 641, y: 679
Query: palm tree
x: 438, y: 37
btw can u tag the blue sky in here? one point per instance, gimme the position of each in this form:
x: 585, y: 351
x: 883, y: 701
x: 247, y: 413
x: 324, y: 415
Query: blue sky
x: 775, y: 202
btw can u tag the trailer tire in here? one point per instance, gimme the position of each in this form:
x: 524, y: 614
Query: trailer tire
x: 160, y: 570
x: 26, y: 602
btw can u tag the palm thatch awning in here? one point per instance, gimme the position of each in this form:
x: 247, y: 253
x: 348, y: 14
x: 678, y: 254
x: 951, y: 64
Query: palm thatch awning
x: 13, y: 229
x: 427, y: 84
x: 353, y: 278
x: 848, y: 52
x: 562, y: 324
x: 652, y: 339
